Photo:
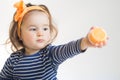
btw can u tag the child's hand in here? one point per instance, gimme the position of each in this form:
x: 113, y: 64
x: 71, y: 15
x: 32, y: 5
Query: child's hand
x: 86, y: 43
x: 99, y: 44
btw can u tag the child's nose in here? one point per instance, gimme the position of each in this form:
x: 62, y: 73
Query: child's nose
x: 40, y: 33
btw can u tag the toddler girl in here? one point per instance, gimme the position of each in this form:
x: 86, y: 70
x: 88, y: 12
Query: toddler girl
x: 31, y: 34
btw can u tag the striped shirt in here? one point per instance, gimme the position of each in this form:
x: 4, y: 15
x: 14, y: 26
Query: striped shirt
x: 42, y: 65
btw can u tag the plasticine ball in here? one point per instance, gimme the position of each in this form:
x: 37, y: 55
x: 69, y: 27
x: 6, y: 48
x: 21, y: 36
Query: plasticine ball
x: 97, y: 35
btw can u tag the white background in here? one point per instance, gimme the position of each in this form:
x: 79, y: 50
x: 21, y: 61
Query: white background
x: 74, y: 19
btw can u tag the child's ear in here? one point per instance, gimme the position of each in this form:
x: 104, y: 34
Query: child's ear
x: 20, y: 38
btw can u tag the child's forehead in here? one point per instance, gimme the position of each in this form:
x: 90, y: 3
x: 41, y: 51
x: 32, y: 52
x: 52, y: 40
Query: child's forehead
x: 34, y: 12
x: 36, y: 17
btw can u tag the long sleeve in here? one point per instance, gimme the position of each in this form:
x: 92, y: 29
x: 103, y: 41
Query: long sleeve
x: 62, y: 52
x: 42, y: 65
x: 7, y: 71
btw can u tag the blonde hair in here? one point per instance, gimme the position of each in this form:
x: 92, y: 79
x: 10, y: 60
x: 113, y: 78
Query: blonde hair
x: 16, y: 43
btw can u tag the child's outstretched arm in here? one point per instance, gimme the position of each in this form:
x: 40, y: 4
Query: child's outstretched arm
x: 62, y: 52
x: 86, y: 43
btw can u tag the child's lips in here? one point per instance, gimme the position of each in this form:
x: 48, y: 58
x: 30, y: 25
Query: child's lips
x: 40, y: 40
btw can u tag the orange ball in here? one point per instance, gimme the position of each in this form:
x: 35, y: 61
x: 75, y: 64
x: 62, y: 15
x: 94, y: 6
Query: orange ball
x: 97, y: 35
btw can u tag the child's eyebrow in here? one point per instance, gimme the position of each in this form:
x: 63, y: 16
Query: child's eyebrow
x: 45, y: 24
x: 32, y: 25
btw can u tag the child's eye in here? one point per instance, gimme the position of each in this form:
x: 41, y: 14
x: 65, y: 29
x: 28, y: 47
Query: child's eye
x: 45, y: 29
x: 32, y: 29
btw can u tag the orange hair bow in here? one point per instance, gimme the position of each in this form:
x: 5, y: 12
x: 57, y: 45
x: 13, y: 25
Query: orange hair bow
x: 22, y: 10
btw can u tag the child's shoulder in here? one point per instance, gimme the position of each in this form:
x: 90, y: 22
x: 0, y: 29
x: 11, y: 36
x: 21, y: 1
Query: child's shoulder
x: 17, y: 54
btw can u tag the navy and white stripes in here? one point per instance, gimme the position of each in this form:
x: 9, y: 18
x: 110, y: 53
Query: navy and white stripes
x: 42, y: 65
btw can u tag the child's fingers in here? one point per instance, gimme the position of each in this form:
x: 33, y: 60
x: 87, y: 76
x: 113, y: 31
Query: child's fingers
x: 92, y: 27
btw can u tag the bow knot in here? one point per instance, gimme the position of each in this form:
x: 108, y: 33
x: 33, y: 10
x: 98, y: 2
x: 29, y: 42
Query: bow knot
x: 20, y: 8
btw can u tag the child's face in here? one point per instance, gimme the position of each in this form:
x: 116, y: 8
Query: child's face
x: 35, y: 31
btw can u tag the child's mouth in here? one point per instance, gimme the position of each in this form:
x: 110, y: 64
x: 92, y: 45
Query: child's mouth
x: 40, y: 40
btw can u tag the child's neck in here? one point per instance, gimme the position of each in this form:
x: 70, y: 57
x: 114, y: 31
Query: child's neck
x: 31, y: 51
